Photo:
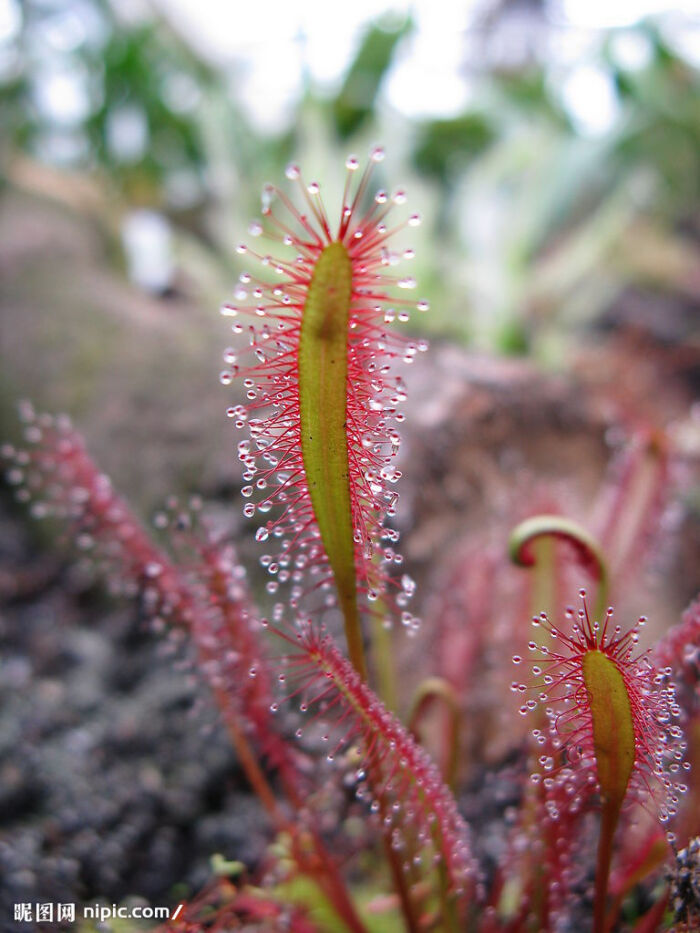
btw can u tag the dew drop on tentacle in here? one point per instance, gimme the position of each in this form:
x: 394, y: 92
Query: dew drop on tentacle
x: 277, y: 318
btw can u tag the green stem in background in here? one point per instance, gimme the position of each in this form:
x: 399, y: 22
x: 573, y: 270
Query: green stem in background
x: 614, y: 746
x: 429, y: 691
x: 527, y: 547
x: 382, y: 651
x: 544, y: 571
x: 323, y: 373
x: 382, y: 654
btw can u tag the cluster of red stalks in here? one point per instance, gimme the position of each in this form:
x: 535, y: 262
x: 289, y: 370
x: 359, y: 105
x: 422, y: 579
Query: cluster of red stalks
x: 599, y: 833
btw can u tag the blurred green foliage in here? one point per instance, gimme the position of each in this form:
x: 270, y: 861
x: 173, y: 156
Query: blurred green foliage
x: 134, y: 70
x: 532, y: 227
x: 444, y: 148
x: 354, y: 104
x: 663, y: 129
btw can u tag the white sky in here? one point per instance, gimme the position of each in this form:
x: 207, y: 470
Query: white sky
x: 270, y: 44
x: 227, y: 27
x: 278, y: 40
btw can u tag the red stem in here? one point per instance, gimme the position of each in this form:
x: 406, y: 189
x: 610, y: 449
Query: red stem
x: 608, y: 824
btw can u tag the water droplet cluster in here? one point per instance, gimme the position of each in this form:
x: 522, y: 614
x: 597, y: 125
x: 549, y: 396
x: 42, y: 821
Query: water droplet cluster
x: 207, y: 596
x: 57, y: 476
x: 560, y: 690
x: 267, y: 315
x: 396, y: 778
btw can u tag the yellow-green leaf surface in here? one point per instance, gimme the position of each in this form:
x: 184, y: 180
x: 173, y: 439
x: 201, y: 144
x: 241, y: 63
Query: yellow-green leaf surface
x: 323, y: 373
x: 613, y: 743
x: 613, y: 726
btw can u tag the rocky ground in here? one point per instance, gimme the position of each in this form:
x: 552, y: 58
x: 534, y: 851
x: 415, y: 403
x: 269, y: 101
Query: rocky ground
x: 115, y: 777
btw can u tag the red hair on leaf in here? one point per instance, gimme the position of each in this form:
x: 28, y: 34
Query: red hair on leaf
x: 322, y: 397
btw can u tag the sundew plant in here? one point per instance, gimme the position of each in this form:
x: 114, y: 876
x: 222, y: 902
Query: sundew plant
x: 364, y: 784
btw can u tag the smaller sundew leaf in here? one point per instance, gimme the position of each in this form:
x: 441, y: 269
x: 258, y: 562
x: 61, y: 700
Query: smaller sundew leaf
x: 612, y: 710
x: 613, y: 726
x: 612, y: 730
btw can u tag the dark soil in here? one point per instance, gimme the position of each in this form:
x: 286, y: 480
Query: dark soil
x: 115, y: 777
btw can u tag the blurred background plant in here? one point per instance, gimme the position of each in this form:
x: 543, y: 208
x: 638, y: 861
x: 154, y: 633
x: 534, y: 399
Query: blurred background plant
x: 552, y: 149
x: 557, y: 161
